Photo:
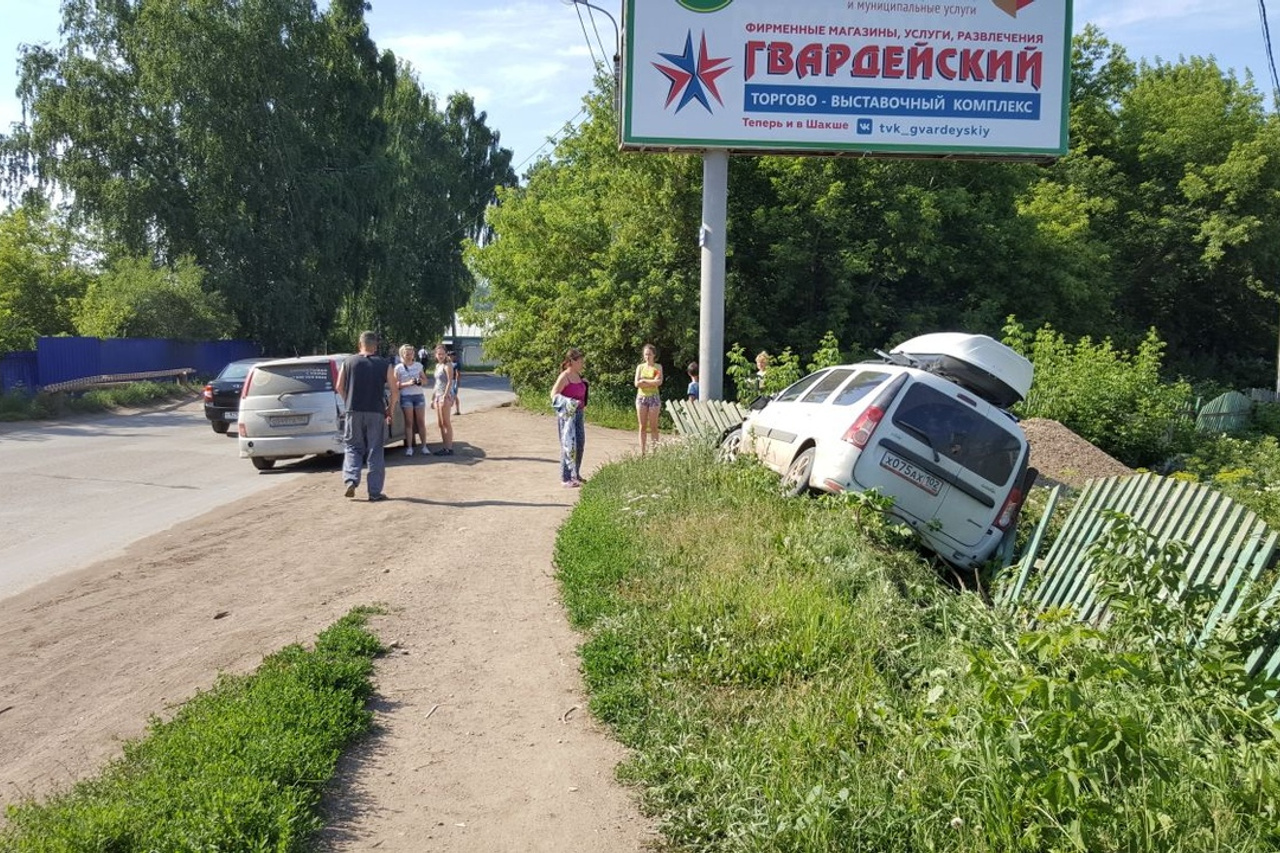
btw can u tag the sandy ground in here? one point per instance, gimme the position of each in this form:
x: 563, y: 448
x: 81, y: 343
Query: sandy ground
x: 482, y: 741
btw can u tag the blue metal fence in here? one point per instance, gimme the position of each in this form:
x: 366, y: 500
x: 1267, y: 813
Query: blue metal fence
x: 18, y: 372
x: 68, y: 358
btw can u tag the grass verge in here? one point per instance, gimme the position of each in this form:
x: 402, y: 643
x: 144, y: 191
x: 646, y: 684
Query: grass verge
x: 790, y: 677
x: 240, y: 767
x: 24, y: 407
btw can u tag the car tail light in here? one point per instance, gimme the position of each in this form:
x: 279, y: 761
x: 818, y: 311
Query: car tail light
x: 208, y: 392
x: 1009, y: 511
x: 860, y: 433
x: 333, y: 373
x: 248, y: 380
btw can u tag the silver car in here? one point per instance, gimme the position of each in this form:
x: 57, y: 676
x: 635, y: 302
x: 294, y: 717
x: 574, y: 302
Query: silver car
x: 289, y: 409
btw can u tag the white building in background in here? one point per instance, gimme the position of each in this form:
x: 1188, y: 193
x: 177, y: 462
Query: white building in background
x: 467, y: 341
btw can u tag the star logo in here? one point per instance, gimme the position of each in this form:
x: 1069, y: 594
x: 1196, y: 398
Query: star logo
x: 690, y: 77
x: 1012, y: 7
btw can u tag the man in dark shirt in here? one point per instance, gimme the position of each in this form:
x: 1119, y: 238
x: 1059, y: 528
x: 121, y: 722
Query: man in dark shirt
x: 361, y: 381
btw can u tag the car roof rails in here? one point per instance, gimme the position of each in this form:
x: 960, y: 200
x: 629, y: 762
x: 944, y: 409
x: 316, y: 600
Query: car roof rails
x: 901, y: 359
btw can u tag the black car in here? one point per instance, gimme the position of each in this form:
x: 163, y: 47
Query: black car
x: 222, y: 395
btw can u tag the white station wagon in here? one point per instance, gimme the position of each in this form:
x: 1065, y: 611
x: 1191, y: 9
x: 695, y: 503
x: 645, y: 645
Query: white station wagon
x: 289, y: 409
x: 927, y: 427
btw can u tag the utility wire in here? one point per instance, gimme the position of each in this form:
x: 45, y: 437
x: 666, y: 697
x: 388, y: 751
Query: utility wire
x: 1271, y: 59
x: 583, y: 24
x: 599, y: 40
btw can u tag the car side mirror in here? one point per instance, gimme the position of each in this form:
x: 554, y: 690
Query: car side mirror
x: 759, y: 402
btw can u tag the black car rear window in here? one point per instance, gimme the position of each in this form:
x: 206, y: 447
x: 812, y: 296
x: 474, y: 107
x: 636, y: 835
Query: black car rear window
x: 958, y: 432
x: 235, y: 371
x: 291, y: 379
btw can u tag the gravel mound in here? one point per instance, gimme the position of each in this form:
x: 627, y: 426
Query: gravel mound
x: 1062, y: 457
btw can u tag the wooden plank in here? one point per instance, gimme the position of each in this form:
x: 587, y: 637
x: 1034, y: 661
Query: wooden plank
x: 1014, y: 591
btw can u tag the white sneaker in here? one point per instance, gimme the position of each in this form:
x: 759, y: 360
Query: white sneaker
x: 408, y: 451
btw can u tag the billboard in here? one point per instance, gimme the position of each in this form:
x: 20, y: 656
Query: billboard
x: 982, y: 78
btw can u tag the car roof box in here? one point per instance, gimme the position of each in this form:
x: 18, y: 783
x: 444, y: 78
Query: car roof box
x: 982, y: 364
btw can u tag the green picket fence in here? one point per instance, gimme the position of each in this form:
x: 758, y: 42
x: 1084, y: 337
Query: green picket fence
x: 1229, y: 547
x: 705, y: 418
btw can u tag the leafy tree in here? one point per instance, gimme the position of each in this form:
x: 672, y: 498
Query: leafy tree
x: 40, y: 279
x: 1176, y: 170
x: 134, y: 299
x: 594, y: 252
x: 240, y: 133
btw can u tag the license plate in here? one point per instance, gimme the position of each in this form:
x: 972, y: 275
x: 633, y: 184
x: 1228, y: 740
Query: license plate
x: 288, y: 420
x: 911, y: 473
x: 230, y: 416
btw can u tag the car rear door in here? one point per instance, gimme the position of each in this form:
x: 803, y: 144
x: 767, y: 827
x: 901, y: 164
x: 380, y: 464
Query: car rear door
x: 294, y: 398
x: 947, y: 458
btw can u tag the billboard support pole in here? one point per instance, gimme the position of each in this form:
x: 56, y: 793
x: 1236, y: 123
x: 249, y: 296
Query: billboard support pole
x: 711, y: 237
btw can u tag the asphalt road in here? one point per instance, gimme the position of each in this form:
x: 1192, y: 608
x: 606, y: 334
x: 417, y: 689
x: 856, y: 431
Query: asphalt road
x: 76, y: 491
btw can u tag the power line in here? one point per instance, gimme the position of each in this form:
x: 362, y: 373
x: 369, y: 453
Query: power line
x: 1271, y: 59
x: 587, y: 38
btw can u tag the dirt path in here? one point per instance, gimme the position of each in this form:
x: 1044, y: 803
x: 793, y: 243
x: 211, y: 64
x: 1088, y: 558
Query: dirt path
x: 482, y: 741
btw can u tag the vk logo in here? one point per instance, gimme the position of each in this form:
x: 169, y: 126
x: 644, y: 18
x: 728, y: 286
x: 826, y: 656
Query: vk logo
x: 864, y: 126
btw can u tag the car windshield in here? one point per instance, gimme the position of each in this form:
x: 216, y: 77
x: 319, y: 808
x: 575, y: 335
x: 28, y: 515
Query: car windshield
x: 956, y: 431
x: 292, y: 378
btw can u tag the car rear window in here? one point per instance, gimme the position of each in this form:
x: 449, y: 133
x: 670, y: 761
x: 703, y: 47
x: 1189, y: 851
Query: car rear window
x: 291, y: 379
x: 862, y: 384
x: 235, y: 371
x: 959, y: 432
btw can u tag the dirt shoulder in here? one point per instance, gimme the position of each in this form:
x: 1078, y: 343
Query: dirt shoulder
x: 482, y: 740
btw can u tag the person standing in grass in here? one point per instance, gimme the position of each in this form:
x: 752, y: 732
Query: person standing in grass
x: 648, y: 401
x: 693, y: 382
x: 569, y: 399
x: 361, y: 381
x: 442, y: 399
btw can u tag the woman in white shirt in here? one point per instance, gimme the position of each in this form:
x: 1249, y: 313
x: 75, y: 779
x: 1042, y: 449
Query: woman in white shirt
x: 413, y: 399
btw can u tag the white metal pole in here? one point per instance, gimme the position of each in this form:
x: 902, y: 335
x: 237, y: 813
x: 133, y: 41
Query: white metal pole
x: 711, y: 237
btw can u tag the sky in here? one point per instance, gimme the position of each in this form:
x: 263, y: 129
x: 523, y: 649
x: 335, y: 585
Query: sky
x: 527, y: 63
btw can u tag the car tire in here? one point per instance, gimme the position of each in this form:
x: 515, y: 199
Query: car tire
x: 730, y: 445
x: 262, y: 464
x: 220, y: 427
x: 796, y: 481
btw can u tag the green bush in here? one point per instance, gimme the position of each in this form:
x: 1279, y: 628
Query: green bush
x: 1113, y: 399
x: 1244, y: 469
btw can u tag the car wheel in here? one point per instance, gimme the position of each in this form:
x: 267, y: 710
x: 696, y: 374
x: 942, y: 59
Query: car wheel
x: 796, y: 481
x: 220, y: 427
x: 262, y: 464
x: 730, y: 445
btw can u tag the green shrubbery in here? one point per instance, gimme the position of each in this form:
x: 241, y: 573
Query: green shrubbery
x: 791, y: 679
x: 240, y: 767
x: 1113, y: 399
